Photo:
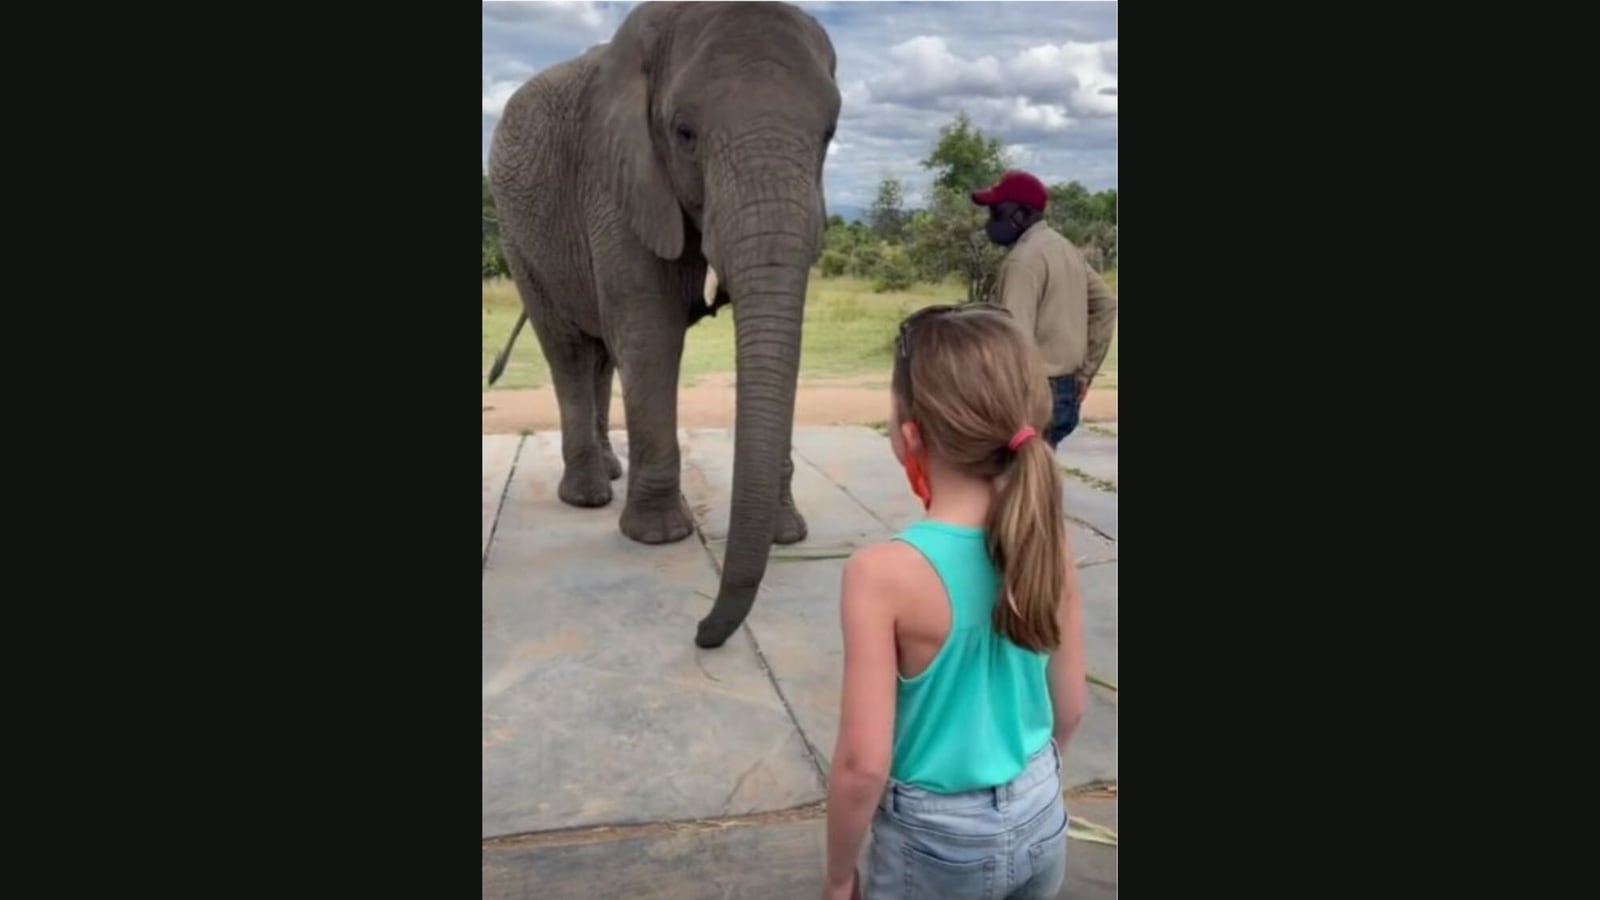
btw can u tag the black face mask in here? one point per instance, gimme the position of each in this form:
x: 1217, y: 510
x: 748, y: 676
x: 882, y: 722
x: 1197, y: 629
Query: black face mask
x: 1002, y: 232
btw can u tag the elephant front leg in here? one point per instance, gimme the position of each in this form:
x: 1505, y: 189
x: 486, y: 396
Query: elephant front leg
x: 602, y: 408
x: 790, y: 527
x: 656, y: 511
x: 573, y: 366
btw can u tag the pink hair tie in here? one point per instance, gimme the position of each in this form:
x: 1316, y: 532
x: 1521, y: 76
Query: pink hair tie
x: 1023, y: 434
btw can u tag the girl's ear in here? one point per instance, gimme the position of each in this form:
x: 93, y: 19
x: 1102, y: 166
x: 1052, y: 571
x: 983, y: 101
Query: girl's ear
x: 912, y: 438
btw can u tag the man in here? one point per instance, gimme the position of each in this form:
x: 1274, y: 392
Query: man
x: 1053, y: 293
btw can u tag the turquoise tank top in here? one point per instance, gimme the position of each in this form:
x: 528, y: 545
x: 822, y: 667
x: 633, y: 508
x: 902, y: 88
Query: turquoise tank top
x: 975, y: 715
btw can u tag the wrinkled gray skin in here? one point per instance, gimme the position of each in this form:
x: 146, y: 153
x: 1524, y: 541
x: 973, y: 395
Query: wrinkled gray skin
x: 698, y: 134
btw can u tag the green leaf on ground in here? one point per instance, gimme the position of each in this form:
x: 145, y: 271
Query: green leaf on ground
x: 1090, y: 480
x: 802, y: 557
x: 1085, y: 830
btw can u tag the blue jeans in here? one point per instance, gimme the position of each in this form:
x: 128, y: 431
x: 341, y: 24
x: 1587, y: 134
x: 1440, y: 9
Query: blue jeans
x: 1063, y: 410
x: 1006, y: 842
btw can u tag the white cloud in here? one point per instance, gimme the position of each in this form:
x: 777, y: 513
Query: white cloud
x: 1041, y: 77
x: 586, y: 14
x: 495, y: 95
x: 1068, y: 76
x: 1074, y: 73
x: 1014, y: 114
x: 557, y: 12
x: 924, y: 68
x: 1018, y: 154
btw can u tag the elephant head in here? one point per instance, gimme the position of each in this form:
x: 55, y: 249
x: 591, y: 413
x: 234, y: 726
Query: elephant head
x: 714, y: 121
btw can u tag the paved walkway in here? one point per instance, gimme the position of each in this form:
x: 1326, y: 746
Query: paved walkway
x: 619, y: 760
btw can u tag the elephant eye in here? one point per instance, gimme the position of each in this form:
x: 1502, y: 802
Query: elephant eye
x: 685, y: 136
x: 827, y: 136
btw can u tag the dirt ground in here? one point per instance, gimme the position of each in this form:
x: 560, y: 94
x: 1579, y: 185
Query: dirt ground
x: 710, y: 402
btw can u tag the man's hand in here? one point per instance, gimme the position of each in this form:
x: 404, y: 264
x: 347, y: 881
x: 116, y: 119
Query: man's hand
x: 850, y: 890
x: 1083, y: 388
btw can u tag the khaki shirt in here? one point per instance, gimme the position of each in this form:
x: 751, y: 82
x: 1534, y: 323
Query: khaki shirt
x: 1061, y: 301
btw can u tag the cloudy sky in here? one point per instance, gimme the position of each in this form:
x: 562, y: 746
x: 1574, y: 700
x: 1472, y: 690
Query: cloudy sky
x: 1040, y: 76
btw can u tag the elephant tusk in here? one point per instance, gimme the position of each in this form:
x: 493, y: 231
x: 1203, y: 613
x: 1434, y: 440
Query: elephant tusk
x: 711, y: 285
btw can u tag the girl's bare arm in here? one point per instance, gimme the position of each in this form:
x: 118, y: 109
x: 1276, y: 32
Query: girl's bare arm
x: 1069, y: 688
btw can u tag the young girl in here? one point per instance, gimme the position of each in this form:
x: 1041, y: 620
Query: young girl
x: 963, y: 636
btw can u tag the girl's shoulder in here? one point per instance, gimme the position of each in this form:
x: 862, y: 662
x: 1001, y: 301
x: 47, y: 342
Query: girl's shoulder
x: 888, y: 570
x: 884, y: 559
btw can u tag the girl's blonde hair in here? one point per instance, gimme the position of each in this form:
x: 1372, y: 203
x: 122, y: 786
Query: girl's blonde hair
x: 972, y: 381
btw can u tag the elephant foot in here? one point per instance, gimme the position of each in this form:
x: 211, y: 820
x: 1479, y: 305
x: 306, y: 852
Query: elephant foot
x: 654, y: 524
x: 790, y: 527
x: 612, y: 464
x: 584, y: 488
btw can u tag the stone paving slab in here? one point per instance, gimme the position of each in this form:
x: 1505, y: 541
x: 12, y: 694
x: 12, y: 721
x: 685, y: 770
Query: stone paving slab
x: 779, y: 861
x: 1091, y: 872
x: 1091, y: 756
x: 860, y: 461
x: 1099, y: 585
x: 1088, y: 547
x: 1091, y: 868
x: 796, y: 622
x: 770, y: 861
x: 839, y: 516
x: 834, y: 520
x: 597, y: 706
x: 1089, y: 504
x: 1090, y: 453
x: 499, y: 454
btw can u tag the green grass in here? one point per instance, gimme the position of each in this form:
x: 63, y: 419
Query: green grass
x: 526, y: 368
x: 849, y: 331
x: 1108, y: 369
x: 1088, y: 479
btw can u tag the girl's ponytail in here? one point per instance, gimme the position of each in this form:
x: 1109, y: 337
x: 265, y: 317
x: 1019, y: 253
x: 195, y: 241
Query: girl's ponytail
x: 1027, y: 539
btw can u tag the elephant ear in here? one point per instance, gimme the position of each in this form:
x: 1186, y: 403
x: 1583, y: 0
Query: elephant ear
x: 634, y: 174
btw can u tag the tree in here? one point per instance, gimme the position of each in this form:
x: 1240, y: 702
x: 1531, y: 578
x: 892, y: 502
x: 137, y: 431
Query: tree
x: 1069, y: 203
x: 1105, y: 206
x: 888, y: 216
x: 1087, y: 220
x: 895, y: 272
x: 965, y: 158
x: 1101, y: 237
x: 948, y: 238
x: 494, y: 261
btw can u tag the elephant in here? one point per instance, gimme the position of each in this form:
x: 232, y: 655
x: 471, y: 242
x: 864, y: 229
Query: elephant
x: 646, y: 184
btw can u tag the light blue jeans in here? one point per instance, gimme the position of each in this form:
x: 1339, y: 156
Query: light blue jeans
x: 1006, y: 842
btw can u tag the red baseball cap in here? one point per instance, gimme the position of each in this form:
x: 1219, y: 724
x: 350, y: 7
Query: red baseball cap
x: 1017, y: 187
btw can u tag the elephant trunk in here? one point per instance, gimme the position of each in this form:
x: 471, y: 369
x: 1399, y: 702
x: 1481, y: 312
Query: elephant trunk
x: 764, y: 250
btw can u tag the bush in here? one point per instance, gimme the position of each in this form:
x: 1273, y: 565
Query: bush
x: 865, y: 259
x: 1104, y: 237
x: 895, y: 273
x: 494, y: 262
x: 834, y: 263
